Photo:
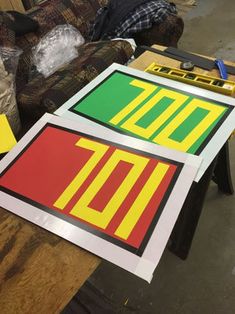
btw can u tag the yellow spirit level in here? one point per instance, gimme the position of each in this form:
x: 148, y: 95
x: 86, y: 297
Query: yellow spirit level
x: 208, y: 82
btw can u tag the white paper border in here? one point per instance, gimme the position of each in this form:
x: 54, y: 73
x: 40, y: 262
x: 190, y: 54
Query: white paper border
x: 141, y: 266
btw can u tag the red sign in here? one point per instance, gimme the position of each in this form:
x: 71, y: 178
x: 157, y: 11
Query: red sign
x: 110, y: 190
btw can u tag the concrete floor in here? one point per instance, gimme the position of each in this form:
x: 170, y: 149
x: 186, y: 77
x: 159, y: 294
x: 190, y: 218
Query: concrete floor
x: 205, y: 282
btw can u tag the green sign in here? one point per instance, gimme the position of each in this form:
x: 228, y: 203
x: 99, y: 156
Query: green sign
x: 153, y: 112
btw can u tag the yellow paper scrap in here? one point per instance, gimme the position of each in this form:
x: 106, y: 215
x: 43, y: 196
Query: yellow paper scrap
x: 7, y: 138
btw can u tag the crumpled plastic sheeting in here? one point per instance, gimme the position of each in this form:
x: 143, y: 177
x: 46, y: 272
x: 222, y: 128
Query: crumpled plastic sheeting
x: 57, y: 48
x: 8, y: 106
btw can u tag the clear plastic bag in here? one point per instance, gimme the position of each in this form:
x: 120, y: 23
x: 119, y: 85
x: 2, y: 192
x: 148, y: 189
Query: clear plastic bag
x: 9, y: 58
x: 56, y: 48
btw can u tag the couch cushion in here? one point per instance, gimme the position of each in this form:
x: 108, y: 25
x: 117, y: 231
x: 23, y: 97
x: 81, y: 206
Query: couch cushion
x: 45, y: 95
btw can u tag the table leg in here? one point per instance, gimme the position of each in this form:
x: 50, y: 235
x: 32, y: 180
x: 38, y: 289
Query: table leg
x: 183, y: 232
x: 222, y: 173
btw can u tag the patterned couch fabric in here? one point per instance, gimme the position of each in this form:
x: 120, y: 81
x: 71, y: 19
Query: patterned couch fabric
x: 7, y: 35
x: 45, y: 95
x: 36, y: 94
x: 79, y: 13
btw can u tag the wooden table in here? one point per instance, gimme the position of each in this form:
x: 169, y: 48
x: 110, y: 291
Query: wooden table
x: 40, y: 272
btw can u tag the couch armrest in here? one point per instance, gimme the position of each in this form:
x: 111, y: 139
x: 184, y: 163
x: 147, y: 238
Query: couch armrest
x: 47, y: 94
x: 166, y: 34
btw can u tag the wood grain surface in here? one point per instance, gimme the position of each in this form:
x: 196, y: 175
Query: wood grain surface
x: 16, y: 5
x: 39, y: 272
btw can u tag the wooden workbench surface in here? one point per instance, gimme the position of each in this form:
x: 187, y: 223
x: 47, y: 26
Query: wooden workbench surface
x: 39, y: 272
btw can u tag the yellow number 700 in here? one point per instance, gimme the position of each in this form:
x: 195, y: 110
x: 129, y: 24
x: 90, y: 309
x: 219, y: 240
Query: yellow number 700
x: 163, y: 138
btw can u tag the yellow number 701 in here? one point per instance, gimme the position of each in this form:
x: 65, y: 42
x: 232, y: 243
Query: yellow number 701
x: 82, y: 209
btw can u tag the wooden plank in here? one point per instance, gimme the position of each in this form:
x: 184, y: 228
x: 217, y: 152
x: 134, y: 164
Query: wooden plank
x: 143, y: 61
x: 6, y: 5
x: 39, y: 272
x: 16, y: 5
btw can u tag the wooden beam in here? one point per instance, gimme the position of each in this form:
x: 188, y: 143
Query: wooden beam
x: 15, y: 5
x: 6, y: 5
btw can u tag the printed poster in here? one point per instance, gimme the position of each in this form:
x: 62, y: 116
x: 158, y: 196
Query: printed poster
x: 113, y: 195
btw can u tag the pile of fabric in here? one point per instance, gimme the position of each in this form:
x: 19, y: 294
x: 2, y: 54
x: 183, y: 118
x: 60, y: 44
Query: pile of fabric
x: 121, y: 18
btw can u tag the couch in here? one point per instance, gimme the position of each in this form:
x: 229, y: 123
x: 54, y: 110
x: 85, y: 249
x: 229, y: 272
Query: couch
x: 36, y: 94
